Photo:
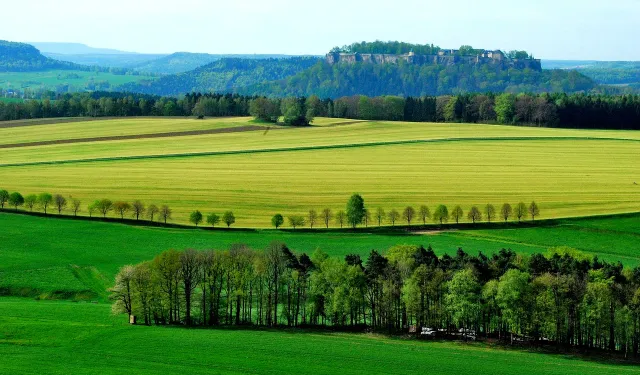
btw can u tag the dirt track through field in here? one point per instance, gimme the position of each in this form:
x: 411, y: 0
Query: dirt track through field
x: 137, y: 136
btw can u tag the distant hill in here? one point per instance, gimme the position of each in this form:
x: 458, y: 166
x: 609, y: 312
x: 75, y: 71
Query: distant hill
x: 224, y: 75
x: 75, y: 49
x: 21, y: 57
x: 108, y: 60
x: 181, y: 62
x: 604, y: 72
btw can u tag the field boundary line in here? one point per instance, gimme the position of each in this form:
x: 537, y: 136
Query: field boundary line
x: 310, y: 148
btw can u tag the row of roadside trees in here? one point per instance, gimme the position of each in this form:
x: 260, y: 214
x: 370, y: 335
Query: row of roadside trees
x: 357, y: 214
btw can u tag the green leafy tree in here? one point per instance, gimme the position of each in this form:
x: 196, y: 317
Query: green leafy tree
x: 521, y: 211
x: 457, y: 214
x: 30, y: 201
x: 16, y: 200
x: 408, y: 214
x: 326, y: 216
x: 228, y: 218
x: 355, y: 210
x: 380, y: 215
x: 490, y: 212
x: 474, y: 214
x: 213, y: 219
x: 60, y: 202
x: 293, y: 112
x: 196, y: 217
x: 424, y: 213
x: 441, y: 214
x: 393, y: 216
x: 463, y: 298
x: 505, y: 108
x: 514, y: 299
x: 506, y: 211
x: 534, y: 210
x: 277, y: 220
x: 44, y: 200
x: 296, y: 221
x: 4, y: 197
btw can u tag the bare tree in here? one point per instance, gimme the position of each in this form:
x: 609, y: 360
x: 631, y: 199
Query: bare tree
x: 425, y: 214
x: 75, y: 206
x: 506, y: 211
x: 474, y: 214
x: 138, y: 209
x: 122, y: 208
x: 341, y: 216
x: 326, y: 216
x: 313, y: 217
x: 457, y: 214
x: 60, y: 202
x: 521, y: 211
x: 534, y: 210
x: 152, y: 210
x: 408, y: 214
x: 165, y: 213
x: 393, y: 216
x: 380, y: 215
x: 490, y: 211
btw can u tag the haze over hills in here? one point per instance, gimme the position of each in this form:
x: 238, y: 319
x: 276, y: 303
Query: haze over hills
x: 75, y: 49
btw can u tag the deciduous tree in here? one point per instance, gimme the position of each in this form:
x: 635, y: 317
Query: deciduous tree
x: 408, y: 214
x: 277, y: 220
x: 474, y: 214
x: 380, y: 215
x: 213, y: 219
x: 30, y: 201
x: 121, y: 208
x: 506, y: 211
x: 296, y: 221
x: 534, y: 210
x: 4, y: 197
x: 457, y: 214
x: 16, y: 200
x: 138, y: 209
x: 490, y: 212
x: 340, y: 218
x: 228, y: 218
x: 355, y: 210
x: 165, y: 213
x: 313, y: 217
x: 521, y: 211
x: 424, y: 213
x: 326, y: 216
x: 75, y: 206
x: 60, y: 202
x: 393, y: 216
x: 152, y: 210
x: 195, y: 217
x: 44, y: 200
x: 441, y: 214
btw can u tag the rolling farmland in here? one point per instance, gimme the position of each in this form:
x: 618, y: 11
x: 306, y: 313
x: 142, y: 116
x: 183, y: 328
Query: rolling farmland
x: 235, y: 164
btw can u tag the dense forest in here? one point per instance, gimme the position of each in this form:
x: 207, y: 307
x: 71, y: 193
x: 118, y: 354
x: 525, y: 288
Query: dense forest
x: 225, y: 75
x: 548, y: 110
x: 333, y: 81
x: 561, y: 298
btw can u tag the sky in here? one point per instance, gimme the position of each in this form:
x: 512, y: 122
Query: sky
x: 550, y: 29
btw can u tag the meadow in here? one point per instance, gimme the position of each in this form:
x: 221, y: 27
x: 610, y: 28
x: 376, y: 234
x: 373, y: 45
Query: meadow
x: 257, y: 171
x: 77, y: 259
x: 51, y: 79
x: 65, y: 337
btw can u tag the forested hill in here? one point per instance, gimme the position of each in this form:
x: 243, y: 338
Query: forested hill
x: 339, y: 80
x: 21, y: 57
x: 225, y: 75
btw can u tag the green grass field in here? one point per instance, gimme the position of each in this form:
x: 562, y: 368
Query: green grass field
x: 55, y: 258
x: 258, y: 173
x: 82, y: 338
x: 50, y: 79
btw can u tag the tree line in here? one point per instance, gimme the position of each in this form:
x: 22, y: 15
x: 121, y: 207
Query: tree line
x: 357, y: 214
x: 597, y: 111
x: 45, y: 202
x: 563, y: 297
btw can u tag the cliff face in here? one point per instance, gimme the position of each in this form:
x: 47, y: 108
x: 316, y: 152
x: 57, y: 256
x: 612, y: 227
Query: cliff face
x: 441, y: 59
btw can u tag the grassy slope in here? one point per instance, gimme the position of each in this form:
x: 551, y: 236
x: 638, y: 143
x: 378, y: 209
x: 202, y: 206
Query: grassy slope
x: 78, y: 259
x: 65, y: 337
x: 51, y: 78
